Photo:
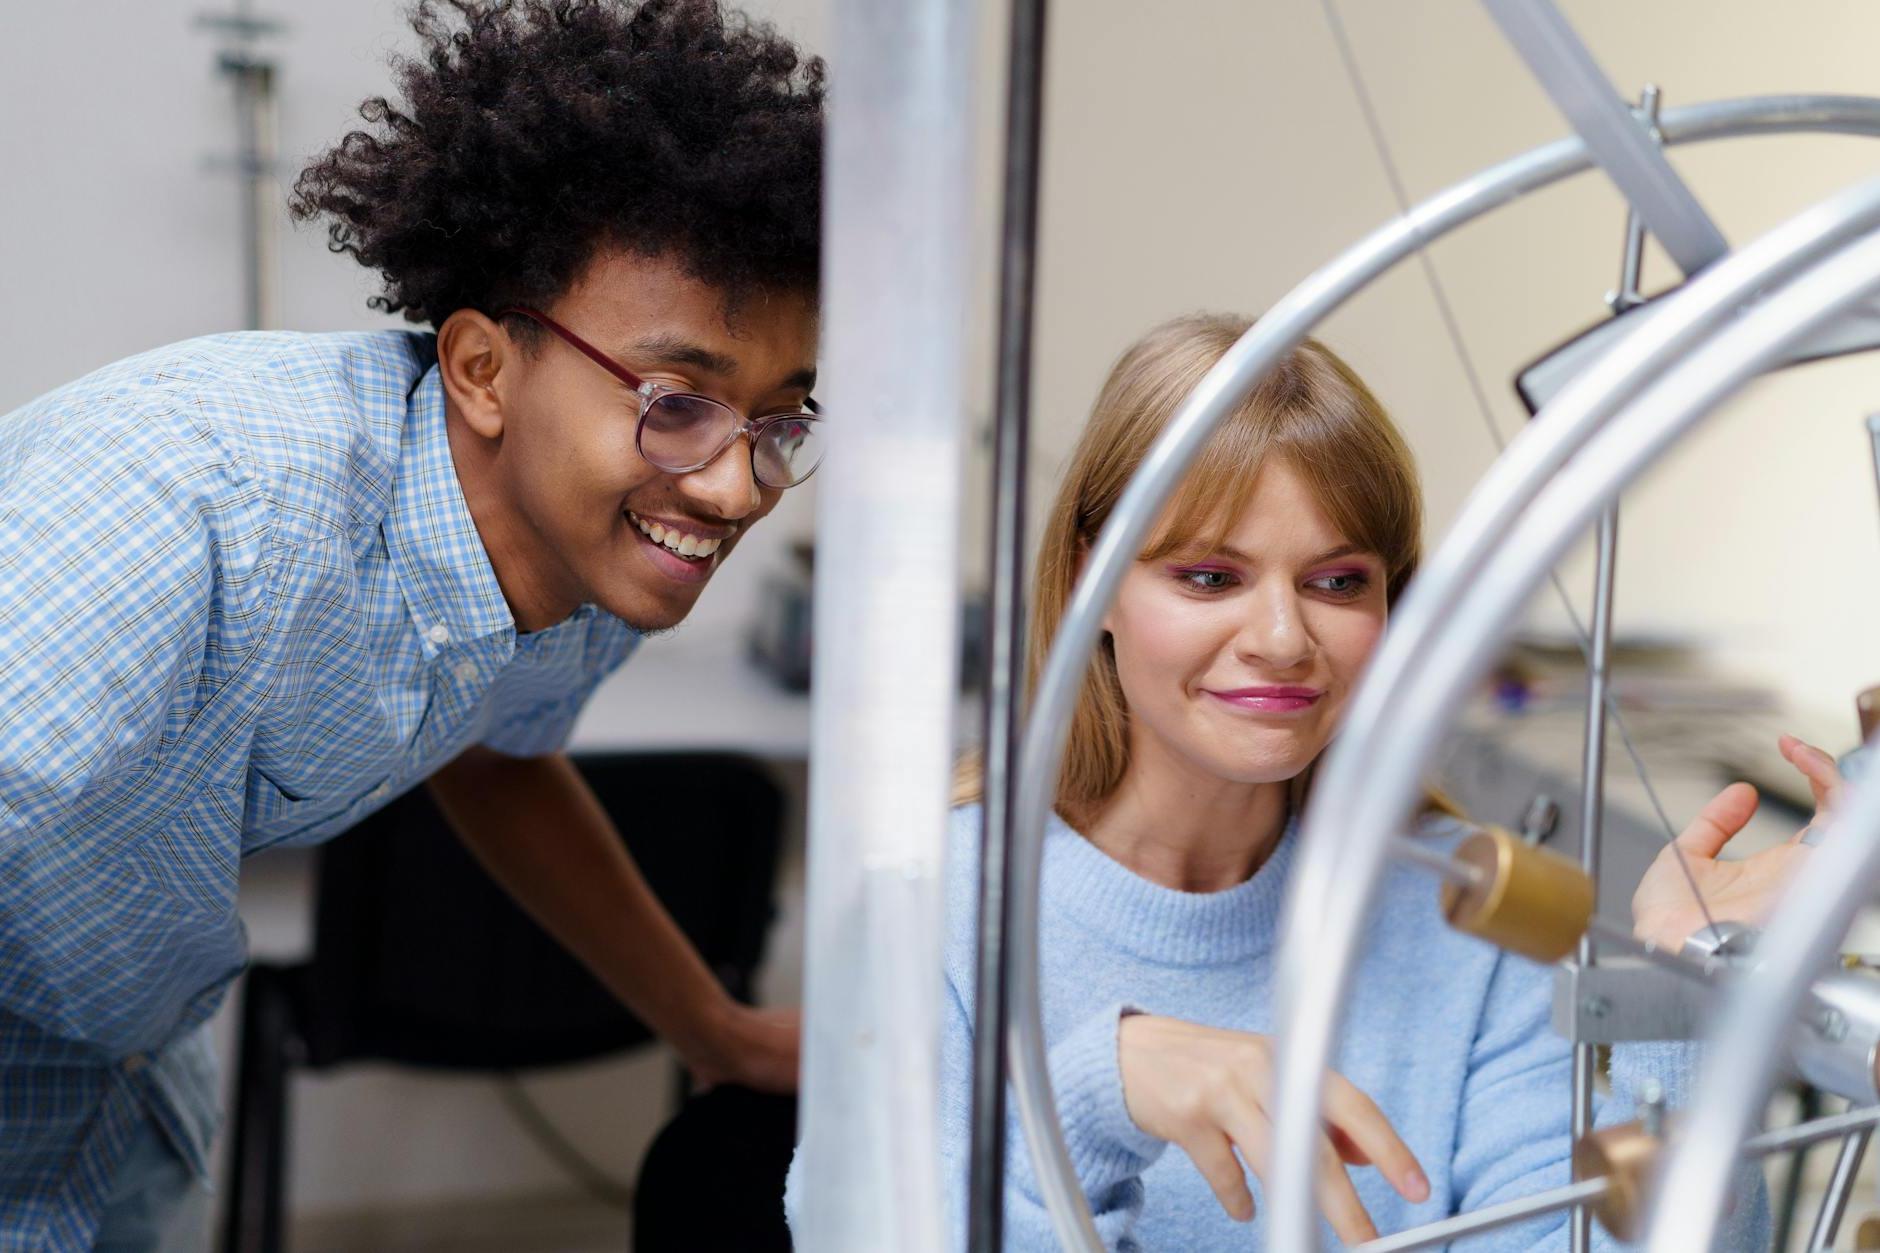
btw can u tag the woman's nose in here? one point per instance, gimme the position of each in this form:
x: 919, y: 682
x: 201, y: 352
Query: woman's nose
x: 1275, y: 635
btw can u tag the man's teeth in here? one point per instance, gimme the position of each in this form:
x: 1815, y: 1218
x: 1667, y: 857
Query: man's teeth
x: 676, y: 540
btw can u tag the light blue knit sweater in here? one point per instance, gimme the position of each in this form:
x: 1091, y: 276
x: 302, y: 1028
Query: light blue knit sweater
x: 1449, y: 1036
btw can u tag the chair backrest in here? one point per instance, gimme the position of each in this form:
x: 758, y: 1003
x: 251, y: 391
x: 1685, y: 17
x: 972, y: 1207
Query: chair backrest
x: 420, y: 958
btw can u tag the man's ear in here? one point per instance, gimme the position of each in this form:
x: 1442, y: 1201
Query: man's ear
x: 477, y: 360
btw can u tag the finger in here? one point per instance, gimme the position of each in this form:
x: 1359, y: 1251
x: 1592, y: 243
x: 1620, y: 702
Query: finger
x: 1338, y: 1198
x: 1354, y: 1116
x: 1824, y: 778
x: 1214, y: 1157
x: 1348, y: 1150
x: 1717, y: 821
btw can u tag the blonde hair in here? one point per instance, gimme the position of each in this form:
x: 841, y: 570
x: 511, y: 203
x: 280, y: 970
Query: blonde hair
x: 1310, y: 409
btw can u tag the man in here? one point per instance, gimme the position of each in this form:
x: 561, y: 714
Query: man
x: 254, y: 586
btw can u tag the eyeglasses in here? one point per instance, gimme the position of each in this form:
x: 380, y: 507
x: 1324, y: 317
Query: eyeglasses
x: 681, y: 431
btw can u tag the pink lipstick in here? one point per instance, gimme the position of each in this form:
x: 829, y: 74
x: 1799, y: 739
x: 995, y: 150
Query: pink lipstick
x: 1270, y: 700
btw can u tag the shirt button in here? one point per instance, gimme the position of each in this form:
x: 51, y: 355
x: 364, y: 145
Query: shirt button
x: 465, y: 671
x: 135, y: 1063
x: 439, y: 634
x: 380, y: 792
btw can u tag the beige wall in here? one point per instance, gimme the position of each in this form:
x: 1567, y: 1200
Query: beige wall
x: 1209, y: 154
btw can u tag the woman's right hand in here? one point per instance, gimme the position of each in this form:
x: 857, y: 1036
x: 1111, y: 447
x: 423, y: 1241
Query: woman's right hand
x: 1208, y: 1090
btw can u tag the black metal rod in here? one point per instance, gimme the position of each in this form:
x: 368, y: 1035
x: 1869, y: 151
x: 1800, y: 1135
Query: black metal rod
x: 1005, y: 651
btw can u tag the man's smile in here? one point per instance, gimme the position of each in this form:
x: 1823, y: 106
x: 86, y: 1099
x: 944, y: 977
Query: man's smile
x: 682, y: 550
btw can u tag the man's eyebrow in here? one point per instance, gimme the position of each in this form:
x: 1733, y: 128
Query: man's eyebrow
x: 669, y: 350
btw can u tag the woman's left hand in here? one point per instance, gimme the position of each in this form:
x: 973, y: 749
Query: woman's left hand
x: 1664, y: 913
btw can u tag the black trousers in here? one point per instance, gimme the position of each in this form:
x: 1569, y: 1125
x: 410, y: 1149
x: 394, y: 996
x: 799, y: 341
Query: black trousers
x: 713, y: 1180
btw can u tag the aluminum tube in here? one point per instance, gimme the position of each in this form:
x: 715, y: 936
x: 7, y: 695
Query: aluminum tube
x: 1812, y: 1132
x: 1230, y: 380
x: 1592, y: 814
x: 1840, y: 1186
x: 899, y: 181
x: 1480, y: 619
x: 1489, y: 1217
x: 1005, y: 625
x: 1620, y: 141
x: 1617, y: 138
x: 1477, y: 623
x: 1336, y: 874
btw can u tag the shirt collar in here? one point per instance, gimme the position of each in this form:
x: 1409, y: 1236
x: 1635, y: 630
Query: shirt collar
x: 437, y: 555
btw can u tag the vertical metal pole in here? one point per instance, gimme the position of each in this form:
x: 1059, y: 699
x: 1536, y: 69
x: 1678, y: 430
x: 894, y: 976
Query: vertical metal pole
x: 256, y: 156
x: 1840, y: 1187
x: 1627, y: 295
x: 1592, y: 809
x: 898, y: 188
x: 1005, y: 653
x: 1599, y: 663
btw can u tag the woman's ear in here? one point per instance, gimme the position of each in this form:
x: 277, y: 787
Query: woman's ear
x: 1083, y: 559
x: 473, y: 353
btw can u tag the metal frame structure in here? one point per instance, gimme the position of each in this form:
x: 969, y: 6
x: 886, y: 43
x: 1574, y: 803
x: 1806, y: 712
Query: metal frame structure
x: 1799, y: 291
x: 1710, y: 302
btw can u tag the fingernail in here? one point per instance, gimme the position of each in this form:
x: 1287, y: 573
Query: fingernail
x: 1415, y: 1185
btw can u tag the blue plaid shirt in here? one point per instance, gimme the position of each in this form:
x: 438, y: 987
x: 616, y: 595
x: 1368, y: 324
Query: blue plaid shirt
x: 242, y: 604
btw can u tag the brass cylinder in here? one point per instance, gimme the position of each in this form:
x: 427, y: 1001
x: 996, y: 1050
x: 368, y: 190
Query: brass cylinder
x: 1528, y: 900
x: 1626, y: 1155
x: 1867, y: 1236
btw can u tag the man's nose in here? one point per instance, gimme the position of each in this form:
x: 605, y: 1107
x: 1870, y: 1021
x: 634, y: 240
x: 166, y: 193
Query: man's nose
x: 726, y: 488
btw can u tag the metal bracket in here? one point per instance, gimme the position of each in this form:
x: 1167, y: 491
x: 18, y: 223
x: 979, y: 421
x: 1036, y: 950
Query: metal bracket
x: 1624, y: 999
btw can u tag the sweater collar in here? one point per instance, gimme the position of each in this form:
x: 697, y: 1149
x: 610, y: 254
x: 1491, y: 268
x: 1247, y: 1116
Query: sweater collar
x: 1159, y: 923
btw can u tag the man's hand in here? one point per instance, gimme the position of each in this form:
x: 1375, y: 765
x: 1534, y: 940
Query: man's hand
x: 1664, y: 912
x: 748, y: 1046
x: 537, y: 828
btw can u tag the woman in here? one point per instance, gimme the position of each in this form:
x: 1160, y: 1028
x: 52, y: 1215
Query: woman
x: 1229, y: 654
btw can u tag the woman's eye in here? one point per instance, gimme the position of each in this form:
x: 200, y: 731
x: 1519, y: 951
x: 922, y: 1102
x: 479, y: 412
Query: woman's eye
x: 1349, y: 585
x: 1207, y: 580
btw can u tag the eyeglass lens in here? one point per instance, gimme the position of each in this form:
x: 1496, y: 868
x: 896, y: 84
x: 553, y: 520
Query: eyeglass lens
x: 679, y: 432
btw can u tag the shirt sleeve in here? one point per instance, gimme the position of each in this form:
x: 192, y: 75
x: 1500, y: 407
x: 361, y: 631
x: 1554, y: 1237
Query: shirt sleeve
x: 1515, y: 1126
x: 108, y: 580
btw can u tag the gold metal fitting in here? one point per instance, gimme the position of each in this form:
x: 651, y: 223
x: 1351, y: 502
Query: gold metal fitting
x: 1867, y: 705
x: 1626, y: 1155
x: 1528, y: 900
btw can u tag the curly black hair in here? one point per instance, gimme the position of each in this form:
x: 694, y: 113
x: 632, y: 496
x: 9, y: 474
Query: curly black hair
x: 533, y: 132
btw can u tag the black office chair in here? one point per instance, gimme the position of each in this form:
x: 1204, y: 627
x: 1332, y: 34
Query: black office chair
x: 419, y: 958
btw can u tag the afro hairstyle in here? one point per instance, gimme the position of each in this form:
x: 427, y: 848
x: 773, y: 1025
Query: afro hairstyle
x: 532, y: 133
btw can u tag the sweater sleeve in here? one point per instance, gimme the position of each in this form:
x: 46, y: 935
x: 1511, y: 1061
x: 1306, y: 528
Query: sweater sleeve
x: 1107, y: 1150
x: 1514, y: 1134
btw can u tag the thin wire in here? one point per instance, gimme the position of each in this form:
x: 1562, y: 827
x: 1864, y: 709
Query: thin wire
x: 1467, y: 360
